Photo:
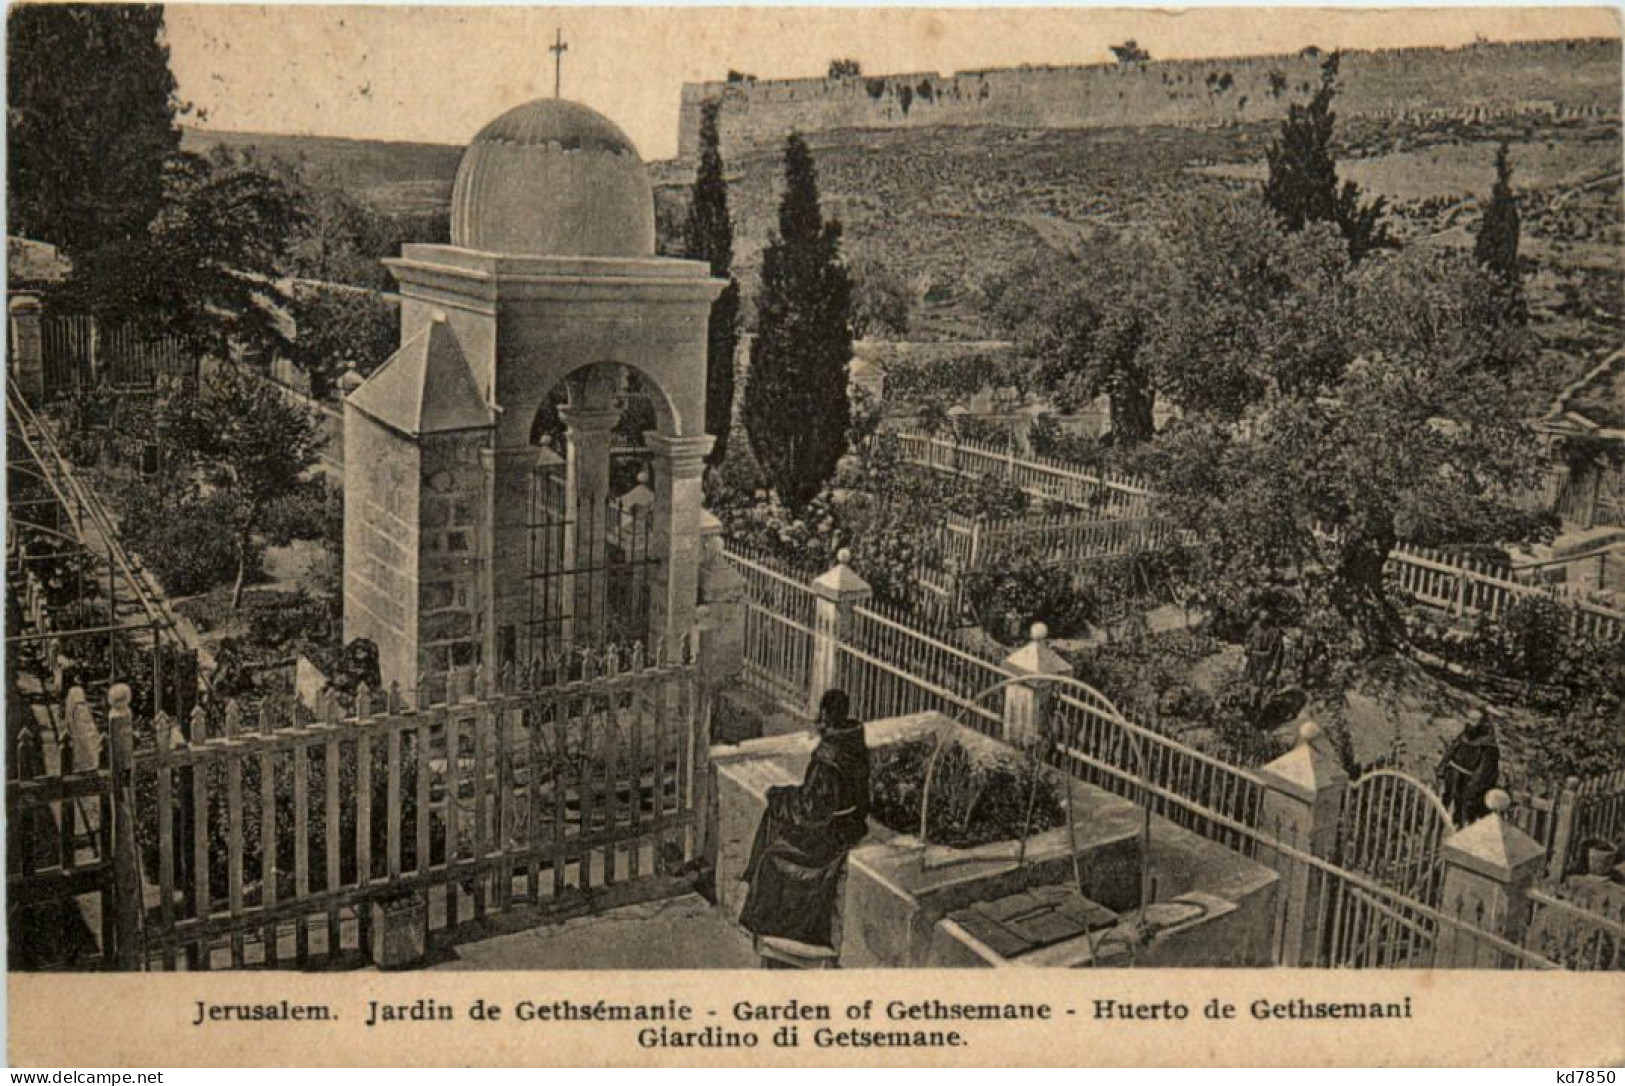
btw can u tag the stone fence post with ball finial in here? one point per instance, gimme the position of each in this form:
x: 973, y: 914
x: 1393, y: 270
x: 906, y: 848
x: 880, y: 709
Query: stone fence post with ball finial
x: 1489, y: 869
x: 1027, y: 705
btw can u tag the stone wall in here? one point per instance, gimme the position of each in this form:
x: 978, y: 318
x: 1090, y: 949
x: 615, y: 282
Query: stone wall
x: 451, y: 549
x: 381, y: 544
x: 1567, y: 78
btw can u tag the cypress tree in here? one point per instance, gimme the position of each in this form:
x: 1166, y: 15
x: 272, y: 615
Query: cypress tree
x: 90, y: 122
x: 1302, y: 186
x: 1496, y: 248
x: 710, y: 237
x: 796, y: 407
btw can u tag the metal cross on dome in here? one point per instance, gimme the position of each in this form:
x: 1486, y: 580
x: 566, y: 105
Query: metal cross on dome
x: 558, y: 49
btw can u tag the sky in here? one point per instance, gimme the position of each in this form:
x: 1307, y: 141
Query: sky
x: 437, y: 74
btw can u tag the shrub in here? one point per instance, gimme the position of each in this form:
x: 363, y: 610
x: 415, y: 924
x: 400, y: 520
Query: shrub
x: 1022, y: 589
x: 1236, y: 728
x: 186, y: 541
x: 283, y: 621
x: 314, y: 511
x: 976, y: 796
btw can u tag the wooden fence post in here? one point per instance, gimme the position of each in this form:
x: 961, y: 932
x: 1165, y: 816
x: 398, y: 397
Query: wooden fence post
x: 126, y: 897
x: 974, y: 561
x: 1563, y: 809
x: 838, y: 591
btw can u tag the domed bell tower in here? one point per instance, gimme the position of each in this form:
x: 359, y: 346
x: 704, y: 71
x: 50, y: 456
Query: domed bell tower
x: 468, y: 542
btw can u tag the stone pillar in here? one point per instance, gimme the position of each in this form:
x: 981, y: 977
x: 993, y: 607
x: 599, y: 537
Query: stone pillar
x: 679, y: 464
x: 1027, y: 704
x: 838, y: 591
x: 722, y: 597
x: 28, y: 347
x: 1303, y: 802
x: 1489, y: 868
x: 515, y: 556
x: 589, y: 433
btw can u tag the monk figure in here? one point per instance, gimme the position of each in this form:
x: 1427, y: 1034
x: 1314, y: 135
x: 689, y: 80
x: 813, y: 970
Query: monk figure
x: 1469, y: 770
x: 805, y: 833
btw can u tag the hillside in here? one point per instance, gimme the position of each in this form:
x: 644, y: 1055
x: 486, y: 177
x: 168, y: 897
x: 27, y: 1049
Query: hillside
x: 395, y: 177
x: 947, y: 208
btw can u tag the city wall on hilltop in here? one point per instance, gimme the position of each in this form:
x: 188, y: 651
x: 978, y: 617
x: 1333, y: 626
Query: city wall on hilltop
x: 1576, y: 78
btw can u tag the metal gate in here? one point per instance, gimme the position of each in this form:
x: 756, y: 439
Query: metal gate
x: 1391, y: 828
x: 591, y: 570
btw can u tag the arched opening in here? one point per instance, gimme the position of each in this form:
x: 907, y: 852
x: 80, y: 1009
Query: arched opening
x: 591, y: 567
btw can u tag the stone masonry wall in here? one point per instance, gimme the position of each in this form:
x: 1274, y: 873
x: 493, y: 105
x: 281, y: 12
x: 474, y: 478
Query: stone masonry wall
x: 1559, y: 79
x: 451, y: 546
x: 381, y: 544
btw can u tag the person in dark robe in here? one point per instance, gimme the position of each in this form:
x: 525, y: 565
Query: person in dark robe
x: 1265, y: 647
x: 805, y: 833
x: 1469, y: 770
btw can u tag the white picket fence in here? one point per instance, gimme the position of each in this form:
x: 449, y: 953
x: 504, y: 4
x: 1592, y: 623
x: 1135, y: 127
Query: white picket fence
x: 1105, y: 494
x: 1458, y: 584
x: 1467, y: 586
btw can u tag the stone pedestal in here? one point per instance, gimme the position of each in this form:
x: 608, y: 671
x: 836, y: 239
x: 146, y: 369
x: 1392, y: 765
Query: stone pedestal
x: 400, y: 931
x: 722, y: 599
x: 28, y: 346
x: 1303, y: 802
x: 589, y: 434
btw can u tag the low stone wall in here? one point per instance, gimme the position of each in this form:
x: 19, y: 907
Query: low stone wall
x: 897, y: 894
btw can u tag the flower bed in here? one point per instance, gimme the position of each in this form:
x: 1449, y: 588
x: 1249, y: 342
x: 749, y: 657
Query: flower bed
x: 976, y: 796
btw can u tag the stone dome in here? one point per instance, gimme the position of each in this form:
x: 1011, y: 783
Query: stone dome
x: 553, y: 178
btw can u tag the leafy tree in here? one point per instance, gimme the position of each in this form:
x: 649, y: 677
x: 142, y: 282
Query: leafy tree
x: 1094, y: 333
x: 342, y: 239
x: 1232, y: 306
x: 709, y: 237
x: 1130, y: 53
x: 796, y: 409
x: 1496, y: 247
x: 336, y: 328
x: 1248, y: 308
x: 253, y: 447
x: 208, y: 267
x: 845, y: 68
x: 90, y: 121
x: 881, y: 301
x: 1416, y: 441
x: 1302, y: 186
x: 1438, y: 303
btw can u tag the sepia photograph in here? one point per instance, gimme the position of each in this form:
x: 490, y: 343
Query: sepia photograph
x: 710, y: 489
